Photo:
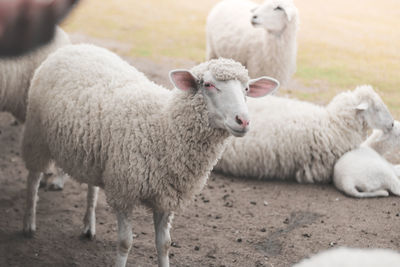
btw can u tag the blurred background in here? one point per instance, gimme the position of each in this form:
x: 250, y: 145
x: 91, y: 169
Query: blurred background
x: 341, y: 43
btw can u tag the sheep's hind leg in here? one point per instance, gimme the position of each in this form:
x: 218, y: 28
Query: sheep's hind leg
x: 162, y: 224
x: 29, y: 226
x: 377, y: 193
x: 89, y: 221
x: 124, y: 239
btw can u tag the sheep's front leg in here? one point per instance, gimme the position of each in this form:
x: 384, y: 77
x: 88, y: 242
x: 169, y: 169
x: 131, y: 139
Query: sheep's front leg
x: 162, y: 224
x: 33, y: 182
x: 89, y: 221
x: 124, y: 239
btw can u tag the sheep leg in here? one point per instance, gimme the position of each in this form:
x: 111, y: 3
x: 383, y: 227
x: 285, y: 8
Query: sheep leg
x: 29, y: 226
x: 124, y: 239
x: 89, y: 221
x: 377, y: 193
x: 162, y: 224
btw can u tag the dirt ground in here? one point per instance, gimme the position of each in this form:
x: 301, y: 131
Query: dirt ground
x: 233, y: 222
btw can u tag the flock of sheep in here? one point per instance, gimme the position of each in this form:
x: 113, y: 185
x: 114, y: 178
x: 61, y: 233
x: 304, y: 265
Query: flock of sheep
x: 91, y: 115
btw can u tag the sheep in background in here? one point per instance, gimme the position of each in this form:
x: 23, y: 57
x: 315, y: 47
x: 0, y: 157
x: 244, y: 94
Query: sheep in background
x: 15, y: 77
x: 107, y: 125
x: 364, y: 172
x: 261, y: 37
x: 353, y: 257
x: 298, y: 140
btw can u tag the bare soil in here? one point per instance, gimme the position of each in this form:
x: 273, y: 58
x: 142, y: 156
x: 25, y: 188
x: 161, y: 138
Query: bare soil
x: 233, y: 222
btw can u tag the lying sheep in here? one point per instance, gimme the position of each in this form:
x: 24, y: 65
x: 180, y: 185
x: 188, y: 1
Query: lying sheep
x: 107, y: 125
x: 364, y: 172
x: 261, y: 37
x: 15, y: 76
x: 353, y: 257
x: 298, y: 140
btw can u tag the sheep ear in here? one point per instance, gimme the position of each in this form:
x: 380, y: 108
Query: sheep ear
x: 183, y: 80
x: 290, y: 12
x: 253, y: 9
x: 362, y: 106
x: 262, y: 86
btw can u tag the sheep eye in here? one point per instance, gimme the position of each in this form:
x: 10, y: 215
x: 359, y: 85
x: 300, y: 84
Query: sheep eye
x: 279, y: 8
x: 208, y: 85
x: 246, y: 89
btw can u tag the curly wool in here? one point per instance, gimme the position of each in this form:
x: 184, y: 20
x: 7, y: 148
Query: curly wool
x: 296, y: 140
x: 222, y: 69
x: 142, y: 143
x: 17, y: 72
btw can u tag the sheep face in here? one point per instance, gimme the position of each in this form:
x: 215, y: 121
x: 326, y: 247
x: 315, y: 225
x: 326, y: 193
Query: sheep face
x: 392, y: 137
x: 372, y: 109
x: 225, y: 100
x: 273, y: 15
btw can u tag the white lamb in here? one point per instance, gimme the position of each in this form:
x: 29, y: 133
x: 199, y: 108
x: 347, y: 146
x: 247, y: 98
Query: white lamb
x: 15, y: 77
x: 107, y: 125
x: 364, y: 172
x: 353, y: 257
x: 298, y: 140
x: 261, y: 37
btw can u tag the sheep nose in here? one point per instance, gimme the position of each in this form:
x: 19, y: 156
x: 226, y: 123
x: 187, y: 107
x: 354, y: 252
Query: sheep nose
x: 242, y: 122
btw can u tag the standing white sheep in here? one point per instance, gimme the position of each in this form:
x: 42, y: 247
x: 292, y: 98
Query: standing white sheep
x: 298, y: 140
x: 107, y: 125
x: 261, y: 37
x: 353, y: 257
x: 364, y: 172
x: 15, y: 77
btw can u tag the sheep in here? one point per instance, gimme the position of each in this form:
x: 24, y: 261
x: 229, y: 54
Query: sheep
x: 107, y: 125
x: 352, y: 257
x: 297, y: 140
x: 364, y: 172
x: 261, y: 37
x: 16, y: 74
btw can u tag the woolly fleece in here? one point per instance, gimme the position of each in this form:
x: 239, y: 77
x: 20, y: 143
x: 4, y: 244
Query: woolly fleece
x: 292, y: 139
x: 139, y: 141
x: 17, y: 72
x: 352, y: 257
x: 229, y: 34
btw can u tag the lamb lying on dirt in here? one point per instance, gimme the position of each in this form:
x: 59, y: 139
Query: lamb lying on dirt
x: 107, y: 125
x: 364, y: 172
x: 297, y: 140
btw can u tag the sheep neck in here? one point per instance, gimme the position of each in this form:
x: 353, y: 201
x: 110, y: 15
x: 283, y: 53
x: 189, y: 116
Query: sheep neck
x: 343, y: 118
x: 196, y: 146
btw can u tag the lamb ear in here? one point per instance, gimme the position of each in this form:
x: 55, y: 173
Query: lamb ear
x: 362, y: 106
x: 262, y: 86
x: 183, y: 80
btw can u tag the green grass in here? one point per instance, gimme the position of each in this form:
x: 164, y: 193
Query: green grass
x: 341, y: 43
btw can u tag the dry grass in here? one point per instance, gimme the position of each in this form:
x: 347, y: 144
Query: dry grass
x: 341, y: 43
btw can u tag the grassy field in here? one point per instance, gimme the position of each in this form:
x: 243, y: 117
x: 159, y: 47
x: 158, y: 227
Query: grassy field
x: 341, y: 43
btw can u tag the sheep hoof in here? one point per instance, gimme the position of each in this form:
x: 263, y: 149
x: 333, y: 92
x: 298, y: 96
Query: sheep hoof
x: 88, y: 235
x: 29, y: 232
x: 55, y: 187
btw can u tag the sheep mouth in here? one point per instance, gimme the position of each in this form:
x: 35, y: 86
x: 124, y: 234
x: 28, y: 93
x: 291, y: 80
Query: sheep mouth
x: 237, y: 133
